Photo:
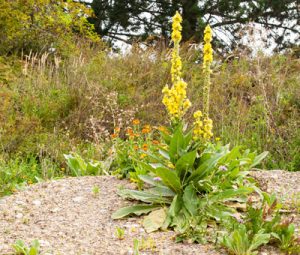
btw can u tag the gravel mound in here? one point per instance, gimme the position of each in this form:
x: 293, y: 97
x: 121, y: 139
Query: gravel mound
x: 68, y: 217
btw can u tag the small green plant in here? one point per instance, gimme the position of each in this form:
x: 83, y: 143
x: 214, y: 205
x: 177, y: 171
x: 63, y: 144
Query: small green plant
x: 285, y: 235
x: 81, y: 167
x: 136, y: 247
x: 120, y: 233
x: 21, y: 248
x: 96, y: 190
x: 241, y: 243
x: 261, y: 224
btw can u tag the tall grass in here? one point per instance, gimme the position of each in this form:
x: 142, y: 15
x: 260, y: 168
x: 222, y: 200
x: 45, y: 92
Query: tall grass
x: 51, y: 106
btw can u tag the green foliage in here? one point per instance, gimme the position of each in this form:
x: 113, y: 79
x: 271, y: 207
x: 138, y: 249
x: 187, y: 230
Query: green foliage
x: 19, y: 172
x: 39, y: 25
x: 203, y: 179
x: 115, y: 16
x: 238, y: 243
x: 81, y: 167
x: 21, y: 248
x: 120, y: 233
x: 261, y: 224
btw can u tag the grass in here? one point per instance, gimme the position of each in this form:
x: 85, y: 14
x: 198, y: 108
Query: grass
x: 51, y: 106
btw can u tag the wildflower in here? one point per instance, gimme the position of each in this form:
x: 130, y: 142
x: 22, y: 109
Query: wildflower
x: 129, y: 131
x: 135, y: 147
x: 218, y: 139
x: 145, y: 147
x: 157, y: 179
x: 114, y: 135
x: 163, y: 129
x: 197, y: 114
x: 117, y: 129
x: 207, y: 60
x: 175, y: 98
x: 146, y: 129
x: 223, y: 168
x: 136, y: 122
x: 143, y: 155
x: 202, y: 127
x: 155, y: 142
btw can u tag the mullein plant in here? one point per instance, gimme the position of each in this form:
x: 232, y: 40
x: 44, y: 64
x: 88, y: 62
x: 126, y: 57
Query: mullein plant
x: 175, y: 98
x: 189, y: 179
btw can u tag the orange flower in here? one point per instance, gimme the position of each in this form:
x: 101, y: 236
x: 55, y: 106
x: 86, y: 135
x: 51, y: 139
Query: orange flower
x: 146, y: 129
x: 131, y: 136
x: 136, y: 122
x: 113, y: 136
x: 155, y: 142
x: 117, y: 129
x: 145, y: 147
x: 129, y: 131
x: 136, y: 147
x: 163, y: 129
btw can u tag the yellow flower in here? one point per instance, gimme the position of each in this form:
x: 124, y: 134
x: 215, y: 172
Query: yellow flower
x: 136, y: 122
x: 143, y: 155
x: 207, y: 60
x: 202, y: 127
x: 175, y: 98
x: 198, y: 114
x: 146, y: 129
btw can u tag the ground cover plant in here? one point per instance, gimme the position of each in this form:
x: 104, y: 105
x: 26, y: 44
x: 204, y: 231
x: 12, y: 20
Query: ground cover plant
x: 192, y: 183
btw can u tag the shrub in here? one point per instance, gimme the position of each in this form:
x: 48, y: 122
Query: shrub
x: 43, y: 24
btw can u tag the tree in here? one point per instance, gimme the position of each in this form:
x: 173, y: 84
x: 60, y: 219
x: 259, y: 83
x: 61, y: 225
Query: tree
x: 138, y: 19
x: 37, y: 25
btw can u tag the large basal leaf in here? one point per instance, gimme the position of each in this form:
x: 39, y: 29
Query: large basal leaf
x: 185, y: 163
x: 154, y: 220
x: 162, y: 191
x: 191, y: 200
x: 164, y: 153
x: 143, y: 196
x: 150, y: 180
x: 169, y: 178
x: 259, y: 239
x: 176, y: 144
x: 259, y: 158
x: 230, y: 194
x: 206, y: 167
x: 135, y: 209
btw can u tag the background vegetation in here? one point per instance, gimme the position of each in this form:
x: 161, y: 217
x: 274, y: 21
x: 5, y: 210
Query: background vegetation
x: 62, y: 90
x: 51, y: 106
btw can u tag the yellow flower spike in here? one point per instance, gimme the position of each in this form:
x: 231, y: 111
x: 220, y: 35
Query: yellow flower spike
x: 175, y: 99
x: 207, y: 60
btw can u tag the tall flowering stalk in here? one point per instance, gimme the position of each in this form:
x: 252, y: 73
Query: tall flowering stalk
x: 207, y: 60
x: 175, y: 98
x: 203, y: 124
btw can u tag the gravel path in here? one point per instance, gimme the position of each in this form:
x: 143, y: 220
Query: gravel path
x: 67, y: 217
